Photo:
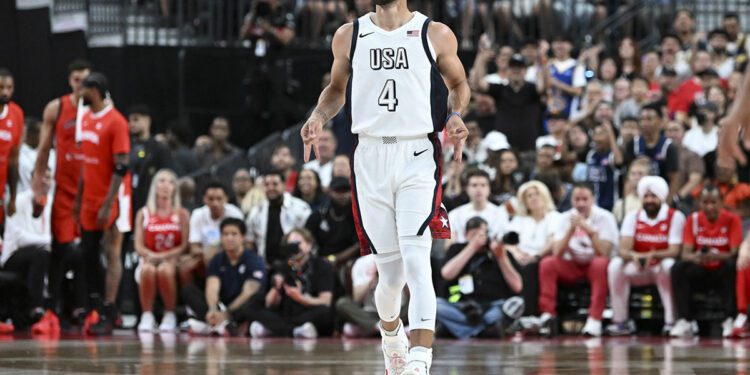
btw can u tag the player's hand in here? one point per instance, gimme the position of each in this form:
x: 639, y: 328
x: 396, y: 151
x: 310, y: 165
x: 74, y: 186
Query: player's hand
x: 102, y: 218
x: 457, y: 134
x: 36, y: 183
x: 310, y: 132
x: 10, y: 210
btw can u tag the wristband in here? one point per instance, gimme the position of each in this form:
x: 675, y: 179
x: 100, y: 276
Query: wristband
x: 453, y: 114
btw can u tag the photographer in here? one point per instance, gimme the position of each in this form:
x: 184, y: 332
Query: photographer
x: 299, y: 301
x: 234, y: 277
x: 484, y: 285
x: 268, y: 26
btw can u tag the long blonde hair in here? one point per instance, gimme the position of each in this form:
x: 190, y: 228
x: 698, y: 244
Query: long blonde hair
x: 151, y: 202
x: 549, y: 204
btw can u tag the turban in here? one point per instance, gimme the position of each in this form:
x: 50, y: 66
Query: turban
x: 654, y: 184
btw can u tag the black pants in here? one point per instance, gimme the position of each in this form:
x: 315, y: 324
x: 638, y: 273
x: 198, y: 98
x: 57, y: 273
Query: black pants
x: 281, y: 324
x: 195, y: 298
x: 96, y: 276
x: 688, y: 277
x: 31, y: 264
x: 530, y: 291
x: 64, y: 258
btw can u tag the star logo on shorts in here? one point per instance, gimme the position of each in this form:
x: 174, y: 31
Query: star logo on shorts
x: 444, y: 221
x: 98, y: 126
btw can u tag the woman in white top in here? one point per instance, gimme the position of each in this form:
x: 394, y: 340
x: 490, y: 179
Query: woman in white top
x: 534, y: 223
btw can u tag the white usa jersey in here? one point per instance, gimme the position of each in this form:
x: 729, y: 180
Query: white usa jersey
x: 395, y: 89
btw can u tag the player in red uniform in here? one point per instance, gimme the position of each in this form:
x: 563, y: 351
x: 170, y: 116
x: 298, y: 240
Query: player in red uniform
x: 59, y: 128
x: 712, y: 237
x: 103, y: 199
x: 161, y: 236
x: 11, y: 131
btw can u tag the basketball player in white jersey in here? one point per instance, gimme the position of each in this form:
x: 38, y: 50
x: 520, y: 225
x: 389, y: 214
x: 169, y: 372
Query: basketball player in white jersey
x: 402, y: 82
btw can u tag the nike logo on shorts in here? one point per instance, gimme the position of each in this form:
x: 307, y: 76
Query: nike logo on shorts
x: 425, y: 320
x: 364, y: 35
x: 420, y: 152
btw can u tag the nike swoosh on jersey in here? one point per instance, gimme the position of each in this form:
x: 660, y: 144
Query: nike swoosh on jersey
x: 420, y: 152
x: 364, y: 35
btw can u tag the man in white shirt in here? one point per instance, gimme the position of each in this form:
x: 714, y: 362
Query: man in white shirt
x: 650, y: 240
x: 585, y: 237
x: 278, y: 215
x: 26, y: 250
x: 204, y: 230
x: 27, y: 154
x: 478, y: 190
x: 323, y: 165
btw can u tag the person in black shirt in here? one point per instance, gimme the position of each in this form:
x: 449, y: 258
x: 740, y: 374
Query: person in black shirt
x: 333, y: 224
x: 298, y: 303
x: 234, y: 284
x: 519, y: 103
x: 483, y: 285
x: 269, y: 26
x: 652, y: 142
x: 147, y: 155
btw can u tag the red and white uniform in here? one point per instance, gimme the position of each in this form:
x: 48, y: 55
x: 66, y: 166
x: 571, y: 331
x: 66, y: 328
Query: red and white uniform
x: 161, y: 233
x: 648, y: 235
x: 720, y: 236
x: 11, y: 132
x: 67, y: 172
x: 104, y: 134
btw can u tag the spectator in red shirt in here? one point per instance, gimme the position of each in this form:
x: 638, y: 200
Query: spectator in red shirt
x: 103, y: 200
x: 712, y: 237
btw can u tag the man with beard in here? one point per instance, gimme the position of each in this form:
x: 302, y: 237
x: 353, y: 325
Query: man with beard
x: 650, y: 239
x: 103, y: 201
x: 59, y: 128
x: 11, y: 131
x: 405, y: 85
x: 333, y: 225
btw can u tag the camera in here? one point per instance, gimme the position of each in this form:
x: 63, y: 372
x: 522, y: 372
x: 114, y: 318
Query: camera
x: 281, y: 266
x: 262, y: 9
x: 511, y: 238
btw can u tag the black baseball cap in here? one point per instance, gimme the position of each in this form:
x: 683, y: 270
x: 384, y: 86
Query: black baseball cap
x: 98, y: 81
x: 517, y: 61
x: 340, y: 184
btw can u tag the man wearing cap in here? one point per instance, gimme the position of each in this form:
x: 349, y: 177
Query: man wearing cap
x: 103, y: 201
x: 333, y: 224
x: 710, y: 243
x: 519, y: 109
x: 650, y: 239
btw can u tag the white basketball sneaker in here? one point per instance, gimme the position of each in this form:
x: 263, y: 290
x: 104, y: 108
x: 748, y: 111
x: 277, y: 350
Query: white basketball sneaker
x: 395, y: 349
x: 419, y: 361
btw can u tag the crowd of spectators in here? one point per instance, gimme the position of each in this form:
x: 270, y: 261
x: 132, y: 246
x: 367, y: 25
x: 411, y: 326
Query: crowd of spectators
x: 598, y: 169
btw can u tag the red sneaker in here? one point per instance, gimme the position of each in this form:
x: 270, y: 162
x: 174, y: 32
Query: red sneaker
x: 49, y: 324
x: 91, y: 320
x: 6, y: 328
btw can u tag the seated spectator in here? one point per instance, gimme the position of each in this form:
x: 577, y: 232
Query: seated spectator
x: 323, y: 164
x: 161, y: 232
x: 712, y: 237
x: 545, y: 160
x: 298, y: 303
x: 26, y: 253
x: 703, y: 138
x: 650, y: 239
x: 534, y: 223
x: 205, y: 235
x: 309, y: 189
x: 219, y: 148
x: 741, y: 327
x: 560, y: 191
x: 508, y: 175
x: 341, y: 167
x: 242, y: 184
x: 557, y: 138
x: 584, y: 238
x: 639, y: 89
x: 282, y: 160
x: 691, y: 170
x: 333, y: 225
x: 602, y: 166
x: 629, y: 200
x: 235, y: 280
x: 358, y: 311
x: 653, y: 143
x: 629, y: 129
x: 483, y: 285
x: 276, y: 217
x: 478, y: 189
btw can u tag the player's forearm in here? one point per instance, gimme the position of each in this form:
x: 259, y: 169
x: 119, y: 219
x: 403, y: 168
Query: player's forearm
x: 330, y: 103
x: 459, y: 97
x: 693, y: 181
x: 743, y: 95
x: 13, y: 178
x: 511, y: 276
x: 114, y: 185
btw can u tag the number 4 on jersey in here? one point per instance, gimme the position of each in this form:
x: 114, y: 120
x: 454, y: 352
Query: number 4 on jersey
x: 388, y: 97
